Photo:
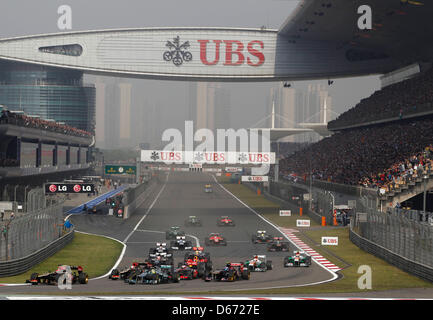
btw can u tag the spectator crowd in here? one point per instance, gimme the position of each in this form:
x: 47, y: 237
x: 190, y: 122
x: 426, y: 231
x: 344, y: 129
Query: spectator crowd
x: 411, y: 96
x: 375, y: 156
x: 24, y: 120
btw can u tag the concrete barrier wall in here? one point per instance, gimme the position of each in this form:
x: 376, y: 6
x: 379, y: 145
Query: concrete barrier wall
x: 416, y: 269
x: 137, y: 196
x: 19, y: 266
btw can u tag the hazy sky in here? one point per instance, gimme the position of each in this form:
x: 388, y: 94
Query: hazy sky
x: 27, y: 17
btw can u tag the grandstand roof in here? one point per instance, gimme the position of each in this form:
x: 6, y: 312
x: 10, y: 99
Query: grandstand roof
x: 401, y: 28
x: 319, y: 40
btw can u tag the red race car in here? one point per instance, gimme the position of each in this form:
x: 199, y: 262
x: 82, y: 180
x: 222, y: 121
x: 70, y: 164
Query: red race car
x: 225, y: 221
x: 186, y: 272
x: 198, y: 260
x: 215, y: 239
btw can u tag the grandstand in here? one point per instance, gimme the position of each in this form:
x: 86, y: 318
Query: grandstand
x: 34, y: 150
x: 384, y: 142
x: 409, y: 98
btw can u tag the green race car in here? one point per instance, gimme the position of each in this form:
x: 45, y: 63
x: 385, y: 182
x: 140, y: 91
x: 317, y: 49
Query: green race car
x: 173, y: 233
x: 193, y: 221
x: 298, y: 259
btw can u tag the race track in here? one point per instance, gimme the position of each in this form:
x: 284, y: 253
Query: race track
x: 178, y: 196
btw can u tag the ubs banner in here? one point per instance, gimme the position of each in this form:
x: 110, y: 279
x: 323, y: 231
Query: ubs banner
x: 237, y: 54
x: 215, y: 157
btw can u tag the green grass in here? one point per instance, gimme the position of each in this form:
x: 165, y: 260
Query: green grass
x: 95, y: 254
x: 345, y: 255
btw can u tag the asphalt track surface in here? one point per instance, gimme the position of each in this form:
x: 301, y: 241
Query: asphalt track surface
x: 171, y: 201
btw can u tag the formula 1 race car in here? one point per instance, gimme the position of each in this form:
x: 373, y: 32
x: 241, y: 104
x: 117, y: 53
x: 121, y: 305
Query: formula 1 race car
x: 193, y: 221
x: 156, y: 275
x: 159, y: 259
x: 278, y: 244
x: 224, y: 221
x: 259, y: 263
x: 160, y: 248
x: 173, y: 233
x: 208, y: 188
x: 128, y: 272
x: 298, y: 259
x: 199, y: 261
x: 52, y: 278
x: 187, y: 273
x: 181, y: 244
x: 232, y: 272
x: 215, y: 239
x: 261, y: 237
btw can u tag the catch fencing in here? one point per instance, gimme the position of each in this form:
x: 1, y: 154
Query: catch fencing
x: 398, y: 232
x: 27, y: 233
x: 404, y: 238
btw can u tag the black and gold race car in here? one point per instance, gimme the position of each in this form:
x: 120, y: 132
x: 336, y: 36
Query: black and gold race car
x: 76, y: 274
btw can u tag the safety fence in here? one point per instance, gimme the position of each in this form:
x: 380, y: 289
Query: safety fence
x: 22, y: 235
x: 21, y: 265
x: 404, y: 238
x: 397, y: 233
x: 297, y: 196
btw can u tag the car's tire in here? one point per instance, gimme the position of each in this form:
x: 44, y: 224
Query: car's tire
x: 269, y: 265
x: 83, y: 278
x: 114, y: 272
x: 246, y: 275
x: 201, y: 269
x: 34, y: 276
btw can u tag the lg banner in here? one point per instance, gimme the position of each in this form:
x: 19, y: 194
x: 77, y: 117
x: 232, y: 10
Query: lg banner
x: 51, y: 188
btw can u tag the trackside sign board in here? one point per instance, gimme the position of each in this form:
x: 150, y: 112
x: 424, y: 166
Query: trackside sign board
x: 285, y: 213
x: 302, y: 223
x: 329, y: 241
x: 255, y: 178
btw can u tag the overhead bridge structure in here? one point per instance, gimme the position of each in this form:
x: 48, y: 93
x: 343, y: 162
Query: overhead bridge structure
x: 320, y: 39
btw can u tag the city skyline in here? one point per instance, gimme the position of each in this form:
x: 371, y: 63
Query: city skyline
x: 167, y: 102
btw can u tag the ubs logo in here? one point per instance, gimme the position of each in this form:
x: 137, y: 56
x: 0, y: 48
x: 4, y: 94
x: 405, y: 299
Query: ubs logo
x: 177, y: 52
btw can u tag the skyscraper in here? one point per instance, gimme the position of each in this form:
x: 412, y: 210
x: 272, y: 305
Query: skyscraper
x: 125, y: 114
x: 310, y: 104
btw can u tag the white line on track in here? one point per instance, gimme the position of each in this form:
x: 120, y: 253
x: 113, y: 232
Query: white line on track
x: 147, y: 212
x: 118, y: 260
x: 142, y: 230
x: 135, y: 228
x: 195, y: 238
x: 334, y: 274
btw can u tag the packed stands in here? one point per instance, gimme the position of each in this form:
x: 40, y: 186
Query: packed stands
x: 379, y: 156
x: 396, y: 101
x: 21, y: 119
